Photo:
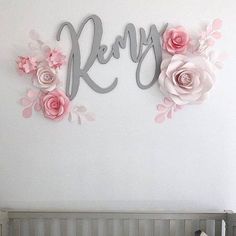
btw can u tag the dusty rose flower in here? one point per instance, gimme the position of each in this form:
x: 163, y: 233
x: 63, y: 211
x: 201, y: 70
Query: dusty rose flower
x: 175, y: 40
x: 27, y: 64
x: 55, y: 58
x: 55, y: 104
x: 45, y: 79
x: 186, y: 80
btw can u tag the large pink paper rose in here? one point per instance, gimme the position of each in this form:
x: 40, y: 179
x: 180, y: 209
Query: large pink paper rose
x: 55, y: 105
x: 186, y: 80
x: 175, y: 40
x: 45, y: 79
x: 55, y: 58
x: 27, y: 65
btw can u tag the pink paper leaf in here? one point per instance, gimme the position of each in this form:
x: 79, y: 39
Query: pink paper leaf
x: 37, y: 107
x: 31, y: 93
x: 209, y: 29
x: 169, y: 114
x: 25, y: 101
x: 90, y: 116
x: 168, y: 101
x: 160, y: 118
x: 27, y: 112
x: 161, y: 108
x: 216, y: 35
x: 217, y: 24
x: 179, y: 107
x: 210, y: 42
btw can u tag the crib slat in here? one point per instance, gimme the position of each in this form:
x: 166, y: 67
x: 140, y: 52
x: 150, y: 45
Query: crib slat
x: 188, y: 227
x: 133, y: 227
x: 101, y: 227
x: 165, y: 228
x: 126, y: 227
x: 63, y: 227
x: 47, y: 227
x: 117, y: 227
x: 141, y: 228
x: 179, y: 227
x: 79, y: 227
x: 218, y: 227
x: 203, y: 225
x: 172, y: 227
x: 16, y: 228
x: 94, y: 227
x: 32, y: 227
x: 210, y: 227
x: 157, y: 227
x: 195, y: 226
x: 109, y: 227
x: 149, y: 230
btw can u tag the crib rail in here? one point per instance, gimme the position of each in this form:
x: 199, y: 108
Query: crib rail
x: 117, y: 224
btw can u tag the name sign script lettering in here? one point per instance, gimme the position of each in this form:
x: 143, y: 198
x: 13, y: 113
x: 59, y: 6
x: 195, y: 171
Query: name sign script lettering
x: 138, y: 52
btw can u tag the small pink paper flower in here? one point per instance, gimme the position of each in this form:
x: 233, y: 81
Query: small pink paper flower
x: 27, y: 65
x: 55, y: 58
x: 175, y: 40
x: 186, y: 80
x: 45, y: 79
x: 55, y: 105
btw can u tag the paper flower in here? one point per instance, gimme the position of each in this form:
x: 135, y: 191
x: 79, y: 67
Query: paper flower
x: 45, y: 79
x: 27, y: 65
x: 186, y: 80
x: 55, y: 58
x: 55, y: 105
x: 175, y: 40
x: 46, y: 98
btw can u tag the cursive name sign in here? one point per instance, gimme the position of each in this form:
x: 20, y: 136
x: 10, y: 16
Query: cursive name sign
x: 138, y: 52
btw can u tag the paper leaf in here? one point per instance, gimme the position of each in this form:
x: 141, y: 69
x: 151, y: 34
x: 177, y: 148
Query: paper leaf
x: 210, y: 42
x: 25, y: 102
x: 89, y: 116
x: 217, y: 24
x: 81, y: 109
x: 31, y: 93
x: 169, y: 114
x: 27, y: 112
x: 161, y: 108
x: 216, y: 35
x: 160, y: 118
x: 168, y: 101
x: 79, y: 120
x: 37, y: 107
x: 70, y: 117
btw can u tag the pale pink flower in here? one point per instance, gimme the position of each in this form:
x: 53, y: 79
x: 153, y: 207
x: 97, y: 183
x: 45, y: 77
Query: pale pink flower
x: 186, y: 80
x: 27, y: 65
x: 55, y: 58
x: 55, y: 105
x: 45, y: 78
x: 176, y: 40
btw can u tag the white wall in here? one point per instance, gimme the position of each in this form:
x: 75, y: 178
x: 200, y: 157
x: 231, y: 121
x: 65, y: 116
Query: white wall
x: 123, y: 160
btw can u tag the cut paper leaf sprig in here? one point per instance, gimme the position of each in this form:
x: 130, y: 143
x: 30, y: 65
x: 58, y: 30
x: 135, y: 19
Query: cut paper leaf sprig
x: 187, y: 75
x: 46, y: 97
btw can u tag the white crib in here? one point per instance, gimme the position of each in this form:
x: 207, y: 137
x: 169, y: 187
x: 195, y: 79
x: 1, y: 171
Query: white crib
x: 31, y: 223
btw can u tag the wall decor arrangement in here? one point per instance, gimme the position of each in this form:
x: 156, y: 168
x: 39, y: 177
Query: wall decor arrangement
x: 185, y: 68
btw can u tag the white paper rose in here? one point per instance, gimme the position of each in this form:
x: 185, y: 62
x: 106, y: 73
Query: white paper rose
x: 45, y: 79
x: 186, y: 79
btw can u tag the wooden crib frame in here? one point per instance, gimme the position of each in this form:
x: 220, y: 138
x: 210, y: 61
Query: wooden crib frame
x: 119, y: 223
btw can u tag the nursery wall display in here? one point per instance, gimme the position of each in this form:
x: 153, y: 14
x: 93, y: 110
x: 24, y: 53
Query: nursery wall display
x: 185, y: 67
x: 118, y: 105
